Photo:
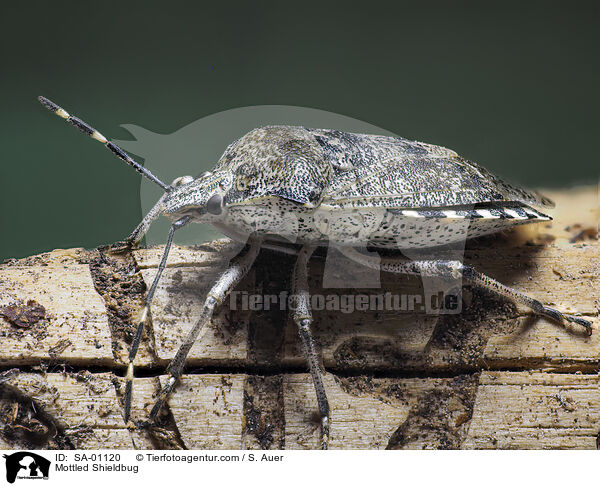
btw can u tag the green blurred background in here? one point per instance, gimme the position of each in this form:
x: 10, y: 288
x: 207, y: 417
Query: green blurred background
x: 511, y: 85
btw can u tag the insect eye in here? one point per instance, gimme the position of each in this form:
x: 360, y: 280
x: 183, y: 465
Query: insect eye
x: 215, y: 204
x: 181, y: 181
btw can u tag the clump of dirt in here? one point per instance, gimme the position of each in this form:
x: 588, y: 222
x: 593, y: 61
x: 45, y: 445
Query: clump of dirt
x: 263, y: 412
x: 461, y: 339
x: 121, y: 286
x: 439, y: 416
x: 440, y: 409
x: 26, y: 318
x: 23, y: 315
x: 24, y: 425
x: 166, y: 437
x: 582, y: 233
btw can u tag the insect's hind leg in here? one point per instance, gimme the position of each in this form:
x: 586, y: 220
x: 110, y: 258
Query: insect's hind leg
x: 535, y: 305
x: 456, y: 269
x: 302, y: 316
x: 237, y: 269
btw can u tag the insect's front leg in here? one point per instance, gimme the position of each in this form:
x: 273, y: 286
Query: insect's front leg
x: 140, y: 230
x: 302, y: 316
x: 456, y: 269
x: 144, y: 316
x: 238, y: 268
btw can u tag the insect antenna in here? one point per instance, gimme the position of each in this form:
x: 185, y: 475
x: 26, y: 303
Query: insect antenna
x: 96, y: 135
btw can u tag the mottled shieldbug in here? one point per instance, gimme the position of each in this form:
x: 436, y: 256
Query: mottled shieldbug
x: 318, y: 187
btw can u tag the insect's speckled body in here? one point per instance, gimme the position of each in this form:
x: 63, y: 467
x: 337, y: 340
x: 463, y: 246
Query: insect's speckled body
x: 317, y: 187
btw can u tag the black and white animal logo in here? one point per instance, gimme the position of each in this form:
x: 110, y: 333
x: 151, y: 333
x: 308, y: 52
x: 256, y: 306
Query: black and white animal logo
x: 26, y: 465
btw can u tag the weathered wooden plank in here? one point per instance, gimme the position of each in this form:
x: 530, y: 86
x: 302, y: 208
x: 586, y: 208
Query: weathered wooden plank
x: 535, y: 409
x: 183, y: 290
x: 73, y: 325
x: 208, y: 411
x: 62, y: 410
x: 358, y: 421
x: 489, y: 377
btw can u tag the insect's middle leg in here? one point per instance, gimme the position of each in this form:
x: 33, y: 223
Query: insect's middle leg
x: 302, y: 316
x: 456, y: 269
x: 238, y: 268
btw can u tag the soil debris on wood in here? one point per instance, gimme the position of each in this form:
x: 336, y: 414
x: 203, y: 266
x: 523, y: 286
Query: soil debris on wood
x: 23, y: 315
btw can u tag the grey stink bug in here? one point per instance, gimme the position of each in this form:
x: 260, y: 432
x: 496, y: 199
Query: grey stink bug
x: 319, y: 187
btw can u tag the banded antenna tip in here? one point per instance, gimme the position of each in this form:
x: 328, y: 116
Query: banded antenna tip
x: 96, y: 135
